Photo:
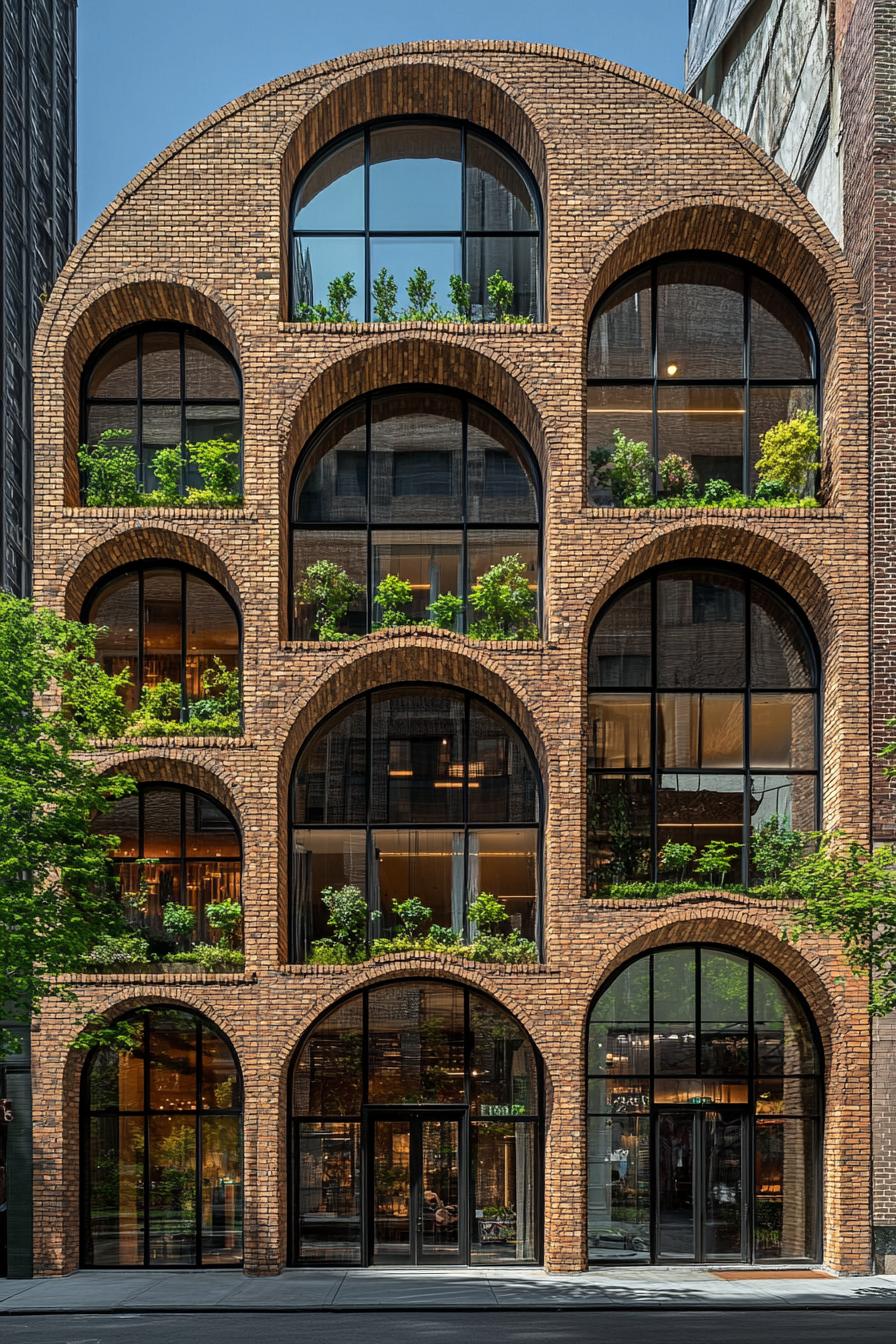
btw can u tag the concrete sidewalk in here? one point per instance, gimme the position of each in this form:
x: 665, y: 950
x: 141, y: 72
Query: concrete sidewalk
x: 214, y: 1290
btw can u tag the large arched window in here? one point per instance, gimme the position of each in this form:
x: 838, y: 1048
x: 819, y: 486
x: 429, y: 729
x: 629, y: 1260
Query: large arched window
x: 415, y: 791
x: 163, y: 622
x: 416, y: 1110
x: 165, y: 384
x: 703, y: 713
x: 704, y: 1113
x: 698, y: 356
x: 175, y: 845
x: 428, y: 485
x: 409, y: 194
x: 162, y: 1147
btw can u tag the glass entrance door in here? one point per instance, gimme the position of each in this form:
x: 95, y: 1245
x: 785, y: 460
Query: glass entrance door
x: 700, y: 1163
x: 416, y: 1188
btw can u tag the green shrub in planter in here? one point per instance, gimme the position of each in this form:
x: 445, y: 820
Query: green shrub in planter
x: 790, y: 452
x: 177, y: 920
x: 211, y: 957
x: 167, y: 465
x: 225, y: 917
x: 119, y: 952
x: 110, y: 468
x: 445, y: 611
x: 393, y: 597
x: 327, y: 588
x: 504, y: 603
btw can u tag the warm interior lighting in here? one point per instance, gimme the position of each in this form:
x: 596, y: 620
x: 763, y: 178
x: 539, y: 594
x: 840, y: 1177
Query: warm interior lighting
x: 401, y: 774
x: 671, y: 370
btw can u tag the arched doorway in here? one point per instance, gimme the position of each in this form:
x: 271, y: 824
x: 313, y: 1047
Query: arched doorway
x: 415, y: 1119
x: 704, y: 1113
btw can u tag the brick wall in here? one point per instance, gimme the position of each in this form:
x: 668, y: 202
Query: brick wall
x: 628, y: 170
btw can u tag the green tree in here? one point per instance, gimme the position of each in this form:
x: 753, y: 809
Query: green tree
x: 327, y: 588
x: 775, y: 847
x: 504, y: 602
x: 445, y: 611
x: 225, y: 916
x: 500, y: 293
x: 715, y: 862
x: 422, y: 306
x: 56, y: 899
x: 385, y: 296
x: 167, y: 464
x: 791, y: 450
x: 393, y: 597
x: 109, y: 468
x: 674, y: 859
x: 462, y: 297
x: 218, y: 463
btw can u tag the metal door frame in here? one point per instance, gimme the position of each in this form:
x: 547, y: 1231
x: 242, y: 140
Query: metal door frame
x: 699, y: 1182
x: 415, y: 1116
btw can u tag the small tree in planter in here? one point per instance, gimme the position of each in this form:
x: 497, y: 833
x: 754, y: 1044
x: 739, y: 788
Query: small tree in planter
x: 393, y: 596
x: 110, y: 470
x: 791, y: 451
x: 715, y: 862
x: 327, y: 588
x: 385, y: 297
x: 347, y: 920
x: 225, y: 917
x: 462, y: 298
x: 178, y: 921
x: 218, y: 463
x: 504, y: 602
x: 158, y: 710
x: 422, y: 305
x: 675, y: 859
x: 678, y: 480
x: 445, y: 611
x: 625, y: 470
x: 167, y: 464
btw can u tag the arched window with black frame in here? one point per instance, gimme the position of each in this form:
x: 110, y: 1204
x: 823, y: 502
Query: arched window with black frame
x: 698, y: 355
x: 416, y: 1132
x: 163, y: 384
x: 426, y: 484
x: 705, y: 1108
x: 175, y: 846
x: 161, y: 1150
x: 416, y: 193
x: 703, y: 722
x: 415, y: 791
x: 164, y: 622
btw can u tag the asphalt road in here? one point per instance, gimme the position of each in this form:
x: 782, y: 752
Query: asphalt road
x: 829, y: 1326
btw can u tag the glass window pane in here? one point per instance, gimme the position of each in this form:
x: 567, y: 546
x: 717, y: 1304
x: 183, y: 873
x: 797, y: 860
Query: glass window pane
x: 429, y: 561
x: 160, y: 366
x: 619, y: 829
x: 619, y: 343
x: 700, y: 320
x: 116, y: 1078
x: 769, y: 405
x: 220, y: 1078
x: 780, y: 346
x: 415, y: 178
x: 622, y: 1095
x: 724, y: 1040
x: 675, y: 985
x: 103, y: 415
x: 327, y: 1079
x: 486, y: 548
x: 115, y: 1177
x: 784, y: 1041
x: 416, y: 1043
x: 674, y: 1047
x: 331, y: 196
x: 210, y: 422
x: 500, y: 488
x: 172, y: 1061
x: 426, y: 864
x: 417, y: 745
x: 115, y: 372
x: 700, y: 731
x: 779, y: 651
x: 222, y: 1190
x: 212, y: 634
x: 117, y: 608
x: 503, y: 786
x: 503, y: 1073
x: 329, y: 1193
x: 517, y: 260
x: 791, y: 797
x: 782, y: 731
x: 417, y: 465
x: 627, y: 999
x: 172, y: 1190
x: 210, y: 831
x: 705, y: 426
x: 700, y: 631
x: 694, y: 1091
x: 619, y: 1048
x: 786, y: 1189
x: 619, y: 1189
x: 439, y: 257
x: 347, y: 550
x: 619, y: 653
x: 697, y: 809
x: 505, y: 1193
x: 505, y: 863
x: 330, y: 783
x: 332, y: 481
x: 161, y: 427
x: 787, y: 1096
x: 627, y: 409
x: 618, y: 730
x: 497, y: 196
x: 320, y: 859
x: 210, y: 376
x: 316, y: 261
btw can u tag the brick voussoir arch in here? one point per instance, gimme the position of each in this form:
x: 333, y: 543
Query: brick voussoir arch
x: 184, y: 767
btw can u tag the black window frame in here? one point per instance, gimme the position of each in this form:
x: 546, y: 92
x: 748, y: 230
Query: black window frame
x: 745, y: 382
x: 462, y: 234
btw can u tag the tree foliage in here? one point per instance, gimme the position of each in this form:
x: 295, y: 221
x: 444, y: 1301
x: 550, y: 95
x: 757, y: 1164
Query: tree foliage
x: 791, y: 450
x: 504, y: 603
x: 109, y: 468
x: 327, y: 588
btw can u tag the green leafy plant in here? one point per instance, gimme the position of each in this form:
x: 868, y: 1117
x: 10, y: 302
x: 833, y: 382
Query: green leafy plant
x: 393, y: 596
x: 500, y: 293
x: 340, y: 292
x: 218, y: 464
x: 507, y: 948
x: 718, y: 492
x: 790, y: 452
x: 446, y: 610
x: 158, y: 710
x: 775, y: 848
x: 327, y: 588
x: 630, y: 472
x: 119, y: 951
x: 439, y: 936
x: 715, y: 862
x: 462, y: 297
x: 225, y: 917
x: 177, y: 920
x: 411, y: 915
x: 487, y: 912
x: 773, y: 492
x: 385, y: 296
x: 422, y: 305
x: 211, y: 957
x: 347, y: 919
x: 677, y: 477
x: 504, y: 603
x: 167, y: 464
x: 109, y: 468
x: 217, y: 712
x: 674, y: 858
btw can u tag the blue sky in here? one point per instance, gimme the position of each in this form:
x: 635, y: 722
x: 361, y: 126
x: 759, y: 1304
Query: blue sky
x: 149, y: 69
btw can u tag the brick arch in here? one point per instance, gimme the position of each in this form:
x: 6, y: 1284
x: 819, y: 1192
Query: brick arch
x: 126, y: 545
x: 185, y: 768
x: 123, y: 301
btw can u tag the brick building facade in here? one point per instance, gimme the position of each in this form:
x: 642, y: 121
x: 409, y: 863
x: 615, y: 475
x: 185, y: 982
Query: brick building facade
x: 627, y: 171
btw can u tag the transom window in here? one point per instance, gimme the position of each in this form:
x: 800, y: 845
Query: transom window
x: 698, y: 356
x: 408, y: 194
x: 163, y: 623
x: 174, y: 845
x: 164, y: 385
x: 702, y: 719
x: 162, y: 1147
x: 415, y: 791
x: 704, y: 1113
x: 427, y: 485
